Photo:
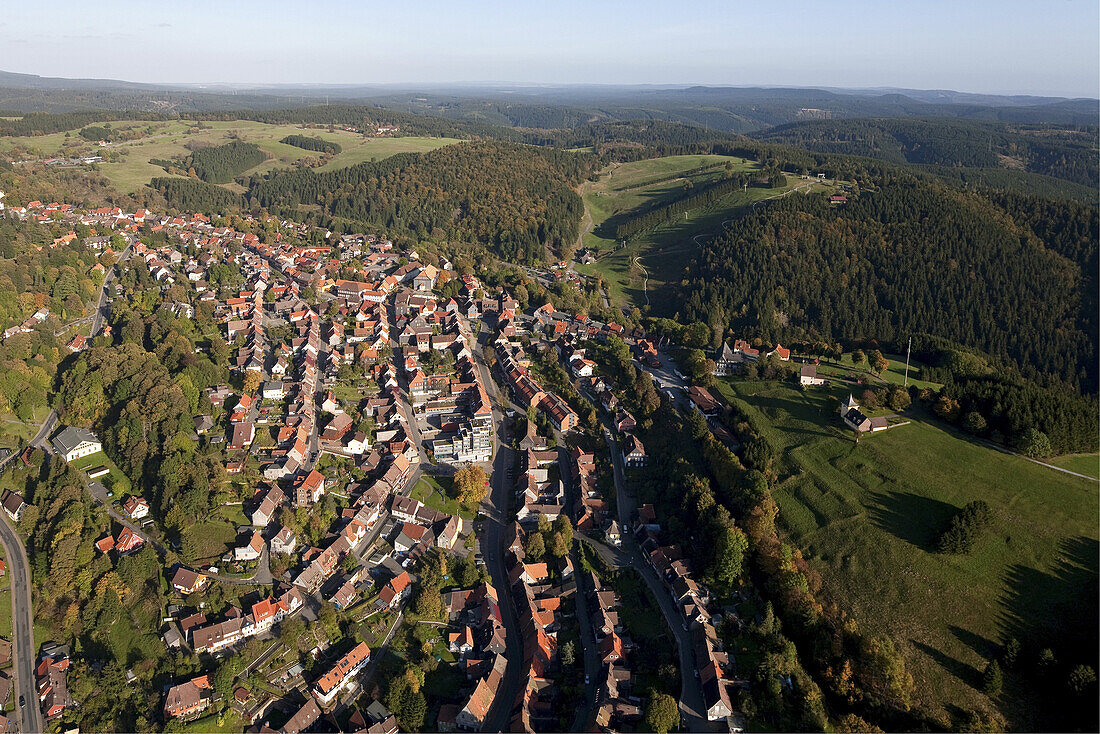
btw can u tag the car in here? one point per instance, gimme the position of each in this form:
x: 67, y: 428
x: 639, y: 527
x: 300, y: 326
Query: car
x: 586, y: 679
x: 22, y: 701
x: 110, y: 494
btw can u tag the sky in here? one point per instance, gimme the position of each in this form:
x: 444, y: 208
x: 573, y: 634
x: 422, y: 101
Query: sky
x: 1005, y: 46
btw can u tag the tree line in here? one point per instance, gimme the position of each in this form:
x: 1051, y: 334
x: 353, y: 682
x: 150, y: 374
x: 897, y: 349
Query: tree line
x: 910, y: 258
x: 515, y: 200
x: 305, y: 142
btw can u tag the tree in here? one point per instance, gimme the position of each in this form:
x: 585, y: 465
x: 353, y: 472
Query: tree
x: 252, y: 381
x: 974, y: 422
x: 429, y: 602
x: 992, y: 679
x: 558, y: 547
x: 1011, y: 653
x: 471, y: 484
x: 565, y: 527
x: 568, y: 655
x: 878, y: 362
x: 858, y: 357
x: 662, y: 714
x: 1035, y: 444
x: 1082, y: 679
x: 898, y: 399
x: 534, y: 547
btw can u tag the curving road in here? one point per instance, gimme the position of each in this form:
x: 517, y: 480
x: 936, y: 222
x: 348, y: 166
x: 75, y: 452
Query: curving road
x: 28, y: 717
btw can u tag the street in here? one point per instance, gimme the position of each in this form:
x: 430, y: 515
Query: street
x: 23, y: 650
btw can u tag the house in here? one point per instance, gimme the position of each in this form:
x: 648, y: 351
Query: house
x: 808, y: 375
x: 634, y: 452
x: 136, y: 507
x: 333, y: 681
x: 250, y: 551
x: 51, y: 680
x: 472, y: 716
x: 781, y: 352
x: 394, y: 591
x: 186, y: 581
x: 188, y: 700
x: 273, y: 390
x: 284, y: 541
x: 74, y: 442
x: 128, y: 542
x: 243, y: 435
x: 302, y: 719
x: 13, y: 505
x: 703, y: 401
x: 461, y: 642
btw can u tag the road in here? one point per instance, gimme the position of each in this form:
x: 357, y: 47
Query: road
x: 589, y: 648
x: 692, y: 707
x: 101, y: 307
x: 495, y: 509
x: 28, y: 717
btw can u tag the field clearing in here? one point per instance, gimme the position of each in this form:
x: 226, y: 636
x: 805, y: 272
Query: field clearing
x: 1087, y: 464
x: 166, y: 140
x: 867, y: 517
x: 894, y: 374
x: 663, y: 252
x: 115, y: 481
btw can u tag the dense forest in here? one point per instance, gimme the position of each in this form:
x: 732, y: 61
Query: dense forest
x: 1065, y: 153
x: 221, y: 163
x: 305, y: 142
x: 914, y: 258
x: 517, y: 200
x: 635, y: 221
x: 186, y: 194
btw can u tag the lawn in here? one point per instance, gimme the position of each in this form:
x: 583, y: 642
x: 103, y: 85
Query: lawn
x: 436, y: 492
x: 662, y: 252
x: 166, y: 140
x: 867, y: 517
x: 116, y: 481
x: 894, y: 374
x: 1087, y: 464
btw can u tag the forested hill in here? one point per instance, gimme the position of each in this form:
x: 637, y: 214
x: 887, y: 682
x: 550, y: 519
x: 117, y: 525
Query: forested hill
x: 910, y: 258
x: 515, y: 199
x: 1066, y: 153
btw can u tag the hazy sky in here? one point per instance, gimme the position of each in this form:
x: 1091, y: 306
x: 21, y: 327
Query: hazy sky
x: 1007, y: 46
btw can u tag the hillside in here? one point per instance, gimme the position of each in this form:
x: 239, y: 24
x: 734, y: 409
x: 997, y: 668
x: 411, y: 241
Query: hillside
x: 1066, y: 153
x: 517, y: 200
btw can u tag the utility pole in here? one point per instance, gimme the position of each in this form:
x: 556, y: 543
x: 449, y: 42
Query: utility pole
x: 908, y: 349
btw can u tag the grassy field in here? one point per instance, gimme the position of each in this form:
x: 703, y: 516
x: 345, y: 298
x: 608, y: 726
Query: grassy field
x: 1087, y: 464
x: 116, y: 481
x: 662, y: 253
x: 894, y: 374
x: 167, y: 140
x: 436, y: 492
x: 867, y: 517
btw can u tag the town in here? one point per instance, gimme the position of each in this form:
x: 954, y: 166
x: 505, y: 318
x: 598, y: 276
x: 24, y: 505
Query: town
x: 379, y: 388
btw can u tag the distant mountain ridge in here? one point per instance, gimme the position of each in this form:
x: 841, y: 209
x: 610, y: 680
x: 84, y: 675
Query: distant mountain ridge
x: 731, y: 109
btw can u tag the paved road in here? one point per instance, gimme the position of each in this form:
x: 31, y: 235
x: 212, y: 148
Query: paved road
x: 589, y: 649
x: 28, y: 717
x: 692, y: 707
x: 101, y: 307
x: 495, y: 509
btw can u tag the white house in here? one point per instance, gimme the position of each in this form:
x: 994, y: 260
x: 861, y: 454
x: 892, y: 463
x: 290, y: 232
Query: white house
x: 73, y: 443
x: 808, y: 375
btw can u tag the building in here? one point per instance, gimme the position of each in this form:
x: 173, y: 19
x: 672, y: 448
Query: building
x: 634, y: 452
x: 74, y: 442
x: 188, y: 700
x: 136, y: 507
x: 808, y: 375
x: 332, y: 682
x: 186, y: 581
x: 14, y: 505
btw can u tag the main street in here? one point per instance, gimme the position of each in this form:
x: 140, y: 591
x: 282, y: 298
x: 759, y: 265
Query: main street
x: 692, y: 707
x: 27, y: 715
x: 497, y: 518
